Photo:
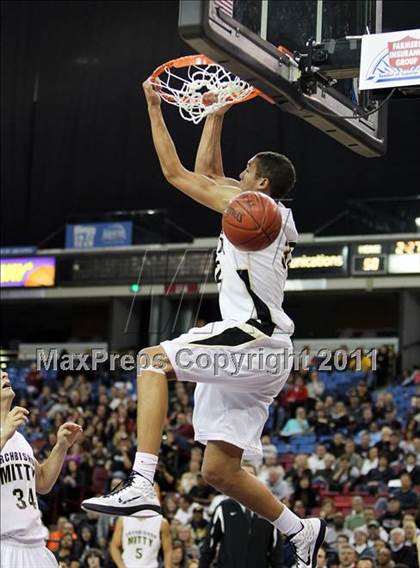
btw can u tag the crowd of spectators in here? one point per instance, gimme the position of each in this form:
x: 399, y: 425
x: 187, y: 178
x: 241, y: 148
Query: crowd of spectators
x: 351, y: 457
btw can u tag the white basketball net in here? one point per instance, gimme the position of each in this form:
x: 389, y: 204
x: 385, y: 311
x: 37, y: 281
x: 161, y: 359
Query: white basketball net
x: 200, y: 89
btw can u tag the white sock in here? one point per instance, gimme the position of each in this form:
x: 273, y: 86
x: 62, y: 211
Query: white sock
x: 146, y: 465
x: 288, y: 523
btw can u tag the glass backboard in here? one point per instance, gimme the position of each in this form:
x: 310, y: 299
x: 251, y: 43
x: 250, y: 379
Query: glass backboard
x: 292, y: 22
x: 313, y: 75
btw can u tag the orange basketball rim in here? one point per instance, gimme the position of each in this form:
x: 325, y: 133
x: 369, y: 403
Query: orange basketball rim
x: 199, y: 86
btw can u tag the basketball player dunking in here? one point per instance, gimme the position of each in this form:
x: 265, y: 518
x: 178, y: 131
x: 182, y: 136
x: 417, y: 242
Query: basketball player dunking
x: 23, y: 535
x: 231, y: 405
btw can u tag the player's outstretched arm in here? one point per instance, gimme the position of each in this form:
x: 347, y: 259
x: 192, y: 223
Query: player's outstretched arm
x: 47, y: 474
x: 209, y: 160
x: 199, y: 187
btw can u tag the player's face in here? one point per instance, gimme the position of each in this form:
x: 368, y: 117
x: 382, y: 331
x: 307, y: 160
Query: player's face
x: 6, y: 387
x: 249, y: 179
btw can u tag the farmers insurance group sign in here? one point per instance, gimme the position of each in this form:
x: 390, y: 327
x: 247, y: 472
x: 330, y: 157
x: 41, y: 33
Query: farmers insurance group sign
x: 390, y: 60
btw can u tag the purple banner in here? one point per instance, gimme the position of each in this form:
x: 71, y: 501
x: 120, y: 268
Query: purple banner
x: 27, y: 272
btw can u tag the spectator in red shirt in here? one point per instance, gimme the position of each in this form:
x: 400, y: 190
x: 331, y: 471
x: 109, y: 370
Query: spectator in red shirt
x: 34, y: 378
x: 297, y: 393
x: 183, y: 427
x: 64, y: 526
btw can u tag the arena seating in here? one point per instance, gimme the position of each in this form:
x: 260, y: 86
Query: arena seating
x: 104, y: 404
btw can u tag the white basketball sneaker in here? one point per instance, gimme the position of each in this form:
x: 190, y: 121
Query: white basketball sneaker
x: 135, y: 497
x: 308, y: 541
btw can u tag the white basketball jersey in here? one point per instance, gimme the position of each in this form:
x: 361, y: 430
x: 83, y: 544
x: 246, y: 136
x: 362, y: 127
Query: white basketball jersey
x: 141, y: 541
x: 20, y: 516
x: 251, y: 285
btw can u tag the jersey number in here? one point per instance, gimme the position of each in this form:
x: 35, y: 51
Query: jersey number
x: 217, y: 265
x: 139, y: 553
x: 287, y: 254
x: 21, y: 503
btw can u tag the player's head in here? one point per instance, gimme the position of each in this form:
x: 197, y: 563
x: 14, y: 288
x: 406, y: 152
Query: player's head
x: 7, y: 393
x: 269, y: 172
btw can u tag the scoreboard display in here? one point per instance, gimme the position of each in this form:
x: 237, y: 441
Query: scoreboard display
x: 397, y: 257
x: 320, y: 261
x: 358, y: 259
x: 186, y: 266
x: 365, y: 264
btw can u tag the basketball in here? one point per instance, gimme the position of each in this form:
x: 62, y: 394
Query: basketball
x: 252, y: 221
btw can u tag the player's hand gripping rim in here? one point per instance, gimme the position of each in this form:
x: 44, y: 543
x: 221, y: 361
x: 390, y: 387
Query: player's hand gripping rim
x: 152, y: 96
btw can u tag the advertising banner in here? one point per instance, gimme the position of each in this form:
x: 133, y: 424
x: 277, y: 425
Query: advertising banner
x: 18, y: 251
x: 27, y: 272
x: 96, y: 235
x: 390, y: 60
